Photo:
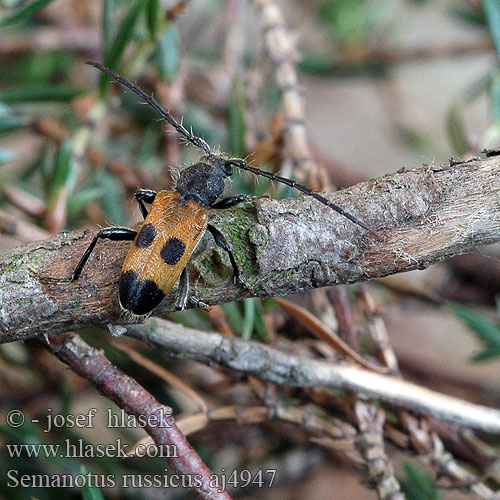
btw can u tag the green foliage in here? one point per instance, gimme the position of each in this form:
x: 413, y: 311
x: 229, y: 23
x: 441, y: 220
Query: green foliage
x: 234, y: 316
x: 492, y: 12
x: 108, y: 11
x: 495, y: 97
x: 418, y: 485
x: 249, y: 318
x: 487, y: 16
x: 236, y: 119
x: 487, y: 331
x: 414, y: 139
x: 6, y: 155
x: 80, y: 199
x: 148, y: 151
x: 46, y: 83
x: 167, y: 53
x: 456, y: 130
x: 315, y: 64
x: 260, y: 326
x: 63, y: 176
x: 470, y: 13
x: 9, y: 120
x: 351, y: 21
x: 24, y: 12
x: 36, y: 93
x: 153, y: 17
x: 124, y: 35
x: 112, y: 197
x: 90, y: 491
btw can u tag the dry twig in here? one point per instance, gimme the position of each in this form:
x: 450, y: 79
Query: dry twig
x: 311, y: 419
x: 281, y: 368
x: 371, y: 445
x: 135, y: 400
x: 280, y: 48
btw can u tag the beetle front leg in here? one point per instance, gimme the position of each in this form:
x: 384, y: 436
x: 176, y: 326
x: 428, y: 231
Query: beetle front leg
x: 232, y: 201
x: 144, y: 195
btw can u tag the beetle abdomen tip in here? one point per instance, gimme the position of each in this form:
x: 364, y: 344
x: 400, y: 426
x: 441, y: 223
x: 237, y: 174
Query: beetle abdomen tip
x: 138, y: 296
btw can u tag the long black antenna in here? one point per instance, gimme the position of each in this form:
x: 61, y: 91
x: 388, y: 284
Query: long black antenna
x: 289, y: 182
x: 200, y: 143
x: 193, y: 139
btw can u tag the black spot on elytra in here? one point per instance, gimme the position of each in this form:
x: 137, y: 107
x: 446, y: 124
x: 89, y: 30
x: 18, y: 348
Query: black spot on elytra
x: 172, y: 251
x: 138, y: 296
x: 146, y: 236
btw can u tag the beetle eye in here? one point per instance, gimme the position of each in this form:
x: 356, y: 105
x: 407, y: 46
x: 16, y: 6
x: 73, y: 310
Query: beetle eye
x: 228, y: 168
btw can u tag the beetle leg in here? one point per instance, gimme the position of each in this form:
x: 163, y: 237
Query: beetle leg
x: 221, y: 241
x: 199, y: 303
x: 144, y: 195
x: 231, y: 201
x: 182, y: 298
x: 180, y: 304
x: 110, y: 233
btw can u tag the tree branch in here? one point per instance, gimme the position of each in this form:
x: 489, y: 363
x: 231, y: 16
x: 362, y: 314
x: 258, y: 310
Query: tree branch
x: 160, y: 425
x: 270, y: 364
x: 421, y: 217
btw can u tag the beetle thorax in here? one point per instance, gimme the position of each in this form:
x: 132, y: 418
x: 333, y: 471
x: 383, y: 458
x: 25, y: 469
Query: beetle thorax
x: 202, y: 182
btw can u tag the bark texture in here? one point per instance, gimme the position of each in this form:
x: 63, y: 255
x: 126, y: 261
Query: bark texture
x: 419, y: 217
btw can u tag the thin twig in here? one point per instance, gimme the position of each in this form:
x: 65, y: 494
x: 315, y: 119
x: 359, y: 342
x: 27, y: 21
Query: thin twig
x: 371, y: 445
x: 281, y: 51
x: 343, y: 312
x: 164, y: 374
x: 28, y: 203
x: 20, y: 229
x: 378, y: 331
x: 131, y: 175
x: 369, y: 417
x: 462, y: 478
x: 309, y: 418
x: 86, y: 40
x: 275, y: 366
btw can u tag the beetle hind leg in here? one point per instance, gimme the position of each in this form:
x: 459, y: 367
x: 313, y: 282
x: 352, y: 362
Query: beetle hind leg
x: 222, y: 242
x: 199, y: 303
x: 181, y: 301
x: 183, y: 298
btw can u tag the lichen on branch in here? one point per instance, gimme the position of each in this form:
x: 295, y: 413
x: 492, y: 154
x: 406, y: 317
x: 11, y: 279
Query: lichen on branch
x: 419, y: 217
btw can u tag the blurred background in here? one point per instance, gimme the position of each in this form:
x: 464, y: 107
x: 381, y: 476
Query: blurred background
x: 387, y: 84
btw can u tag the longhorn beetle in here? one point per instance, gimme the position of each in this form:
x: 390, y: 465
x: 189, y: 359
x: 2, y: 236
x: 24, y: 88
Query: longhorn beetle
x: 177, y: 221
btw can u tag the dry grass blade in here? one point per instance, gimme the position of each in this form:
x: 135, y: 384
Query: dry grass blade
x: 163, y: 374
x: 406, y: 286
x: 28, y: 203
x: 314, y: 326
x: 23, y: 231
x: 219, y: 321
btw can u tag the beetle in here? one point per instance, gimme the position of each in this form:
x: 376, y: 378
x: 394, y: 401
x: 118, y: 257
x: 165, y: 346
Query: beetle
x: 177, y: 220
